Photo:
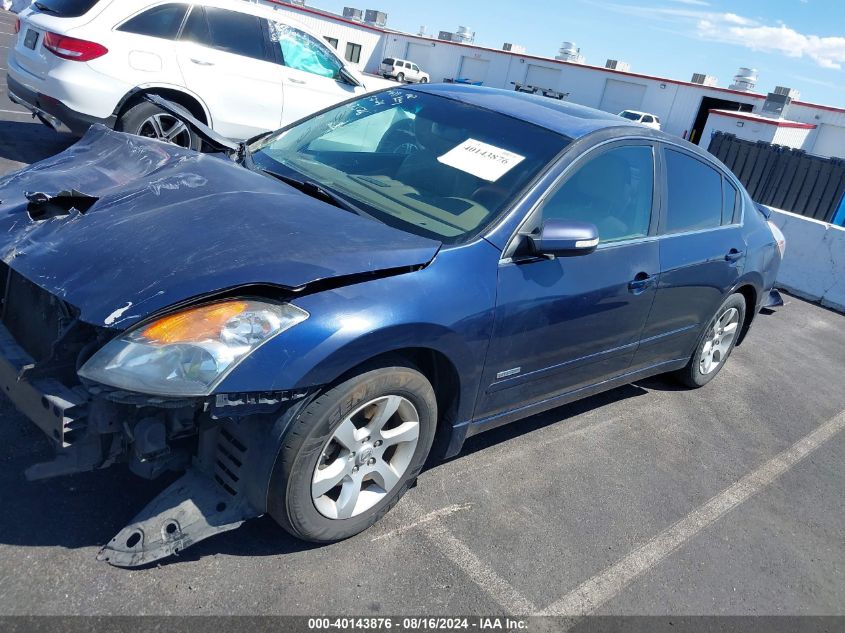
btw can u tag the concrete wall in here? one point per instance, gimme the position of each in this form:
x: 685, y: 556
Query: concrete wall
x: 814, y: 264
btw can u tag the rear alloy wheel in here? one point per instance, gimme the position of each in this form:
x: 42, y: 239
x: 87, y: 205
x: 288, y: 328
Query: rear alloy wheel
x: 145, y: 119
x: 716, y: 344
x: 400, y: 78
x: 352, y: 453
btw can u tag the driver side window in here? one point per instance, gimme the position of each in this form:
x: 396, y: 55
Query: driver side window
x: 613, y: 190
x: 302, y: 52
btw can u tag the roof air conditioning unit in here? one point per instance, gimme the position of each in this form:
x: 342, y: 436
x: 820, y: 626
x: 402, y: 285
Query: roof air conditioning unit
x: 353, y: 14
x: 615, y: 64
x: 792, y: 93
x: 704, y: 80
x: 775, y: 105
x: 379, y: 18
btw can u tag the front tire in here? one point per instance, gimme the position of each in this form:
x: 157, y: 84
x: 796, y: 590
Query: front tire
x: 353, y: 453
x: 716, y: 344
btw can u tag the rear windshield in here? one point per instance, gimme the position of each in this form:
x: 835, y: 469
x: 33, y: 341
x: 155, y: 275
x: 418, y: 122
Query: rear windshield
x: 388, y: 61
x: 630, y: 115
x: 65, y: 8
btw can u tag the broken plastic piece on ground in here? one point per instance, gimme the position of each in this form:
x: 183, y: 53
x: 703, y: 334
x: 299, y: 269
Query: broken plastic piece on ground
x: 43, y: 206
x: 190, y: 510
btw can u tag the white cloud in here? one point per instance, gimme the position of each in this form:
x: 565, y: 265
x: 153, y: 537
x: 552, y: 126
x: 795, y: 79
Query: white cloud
x: 731, y: 28
x: 827, y: 52
x: 700, y: 3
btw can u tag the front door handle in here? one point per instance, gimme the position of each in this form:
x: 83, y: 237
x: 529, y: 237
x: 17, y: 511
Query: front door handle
x: 296, y: 81
x: 202, y: 62
x: 640, y: 283
x: 733, y: 255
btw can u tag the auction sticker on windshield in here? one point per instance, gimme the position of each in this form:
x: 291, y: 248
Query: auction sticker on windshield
x: 480, y: 159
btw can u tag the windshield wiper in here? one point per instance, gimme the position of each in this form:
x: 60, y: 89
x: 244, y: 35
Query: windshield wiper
x: 313, y: 189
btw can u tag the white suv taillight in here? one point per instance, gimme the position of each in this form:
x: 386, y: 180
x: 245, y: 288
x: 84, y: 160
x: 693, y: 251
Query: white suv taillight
x: 16, y: 27
x: 72, y: 48
x: 779, y: 237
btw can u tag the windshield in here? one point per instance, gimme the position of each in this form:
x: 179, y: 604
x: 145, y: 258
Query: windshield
x: 421, y: 163
x: 633, y: 116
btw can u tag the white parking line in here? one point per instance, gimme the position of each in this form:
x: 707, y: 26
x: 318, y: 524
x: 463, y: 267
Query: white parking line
x: 477, y: 570
x: 594, y: 592
x: 16, y: 112
x: 431, y: 516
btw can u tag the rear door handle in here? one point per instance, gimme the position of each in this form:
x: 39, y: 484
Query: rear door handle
x: 733, y: 255
x: 639, y: 284
x: 202, y: 62
x: 296, y: 81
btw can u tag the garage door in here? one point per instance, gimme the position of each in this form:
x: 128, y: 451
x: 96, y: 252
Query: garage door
x: 621, y: 95
x: 473, y: 69
x: 830, y: 141
x: 419, y: 54
x: 543, y: 77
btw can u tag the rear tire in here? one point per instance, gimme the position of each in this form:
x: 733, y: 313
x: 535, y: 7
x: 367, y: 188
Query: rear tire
x: 400, y: 78
x: 347, y: 459
x: 716, y: 343
x: 150, y: 121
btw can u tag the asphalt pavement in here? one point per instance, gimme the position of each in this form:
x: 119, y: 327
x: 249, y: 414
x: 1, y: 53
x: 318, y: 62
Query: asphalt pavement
x: 649, y: 499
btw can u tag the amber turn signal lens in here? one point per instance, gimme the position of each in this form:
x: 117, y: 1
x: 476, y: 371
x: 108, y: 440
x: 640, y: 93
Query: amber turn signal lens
x: 194, y: 325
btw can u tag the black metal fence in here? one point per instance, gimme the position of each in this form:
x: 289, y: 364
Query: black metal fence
x: 782, y: 177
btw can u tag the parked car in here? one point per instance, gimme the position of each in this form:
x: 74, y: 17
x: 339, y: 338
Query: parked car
x: 644, y: 118
x: 301, y: 324
x: 241, y: 68
x: 403, y: 71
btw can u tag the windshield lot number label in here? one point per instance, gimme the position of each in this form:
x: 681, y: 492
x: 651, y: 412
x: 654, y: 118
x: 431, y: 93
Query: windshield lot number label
x: 487, y: 162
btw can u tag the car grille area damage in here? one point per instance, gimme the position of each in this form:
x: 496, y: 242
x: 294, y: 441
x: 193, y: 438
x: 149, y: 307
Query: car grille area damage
x: 220, y: 442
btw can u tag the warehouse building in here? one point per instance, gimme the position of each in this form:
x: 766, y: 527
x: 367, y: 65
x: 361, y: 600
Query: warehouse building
x: 691, y: 109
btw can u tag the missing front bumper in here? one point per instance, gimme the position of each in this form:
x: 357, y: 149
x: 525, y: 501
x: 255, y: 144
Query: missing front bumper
x: 54, y: 408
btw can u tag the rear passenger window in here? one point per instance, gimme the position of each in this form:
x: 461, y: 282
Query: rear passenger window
x: 162, y: 21
x: 614, y: 191
x: 230, y: 31
x: 695, y: 194
x: 730, y: 198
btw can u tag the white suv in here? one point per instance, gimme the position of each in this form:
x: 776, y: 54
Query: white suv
x: 241, y: 68
x: 645, y: 118
x: 402, y: 70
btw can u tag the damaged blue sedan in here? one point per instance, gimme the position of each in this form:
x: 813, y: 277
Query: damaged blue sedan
x: 299, y: 322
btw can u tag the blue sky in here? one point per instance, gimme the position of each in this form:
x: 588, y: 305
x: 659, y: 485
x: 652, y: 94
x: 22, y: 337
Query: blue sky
x: 795, y: 43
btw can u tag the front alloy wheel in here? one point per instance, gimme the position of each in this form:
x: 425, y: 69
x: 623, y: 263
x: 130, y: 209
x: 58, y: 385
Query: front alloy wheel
x: 365, y: 457
x: 352, y: 452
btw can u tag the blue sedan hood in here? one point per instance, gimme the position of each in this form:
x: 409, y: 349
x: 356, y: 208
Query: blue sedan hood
x: 171, y: 225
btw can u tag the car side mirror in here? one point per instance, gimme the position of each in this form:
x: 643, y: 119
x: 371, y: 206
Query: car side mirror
x: 565, y: 237
x: 347, y: 77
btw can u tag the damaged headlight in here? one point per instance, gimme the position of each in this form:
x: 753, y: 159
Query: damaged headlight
x: 188, y: 353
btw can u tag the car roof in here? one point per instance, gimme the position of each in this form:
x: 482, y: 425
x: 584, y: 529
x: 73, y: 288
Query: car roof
x: 569, y: 119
